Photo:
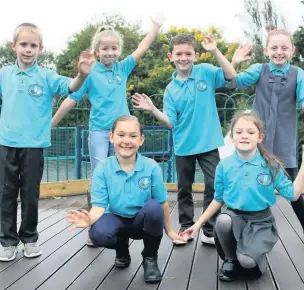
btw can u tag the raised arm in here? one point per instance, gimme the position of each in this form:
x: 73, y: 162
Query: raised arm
x: 209, y: 44
x: 142, y: 101
x: 299, y: 181
x: 158, y: 20
x: 84, y: 66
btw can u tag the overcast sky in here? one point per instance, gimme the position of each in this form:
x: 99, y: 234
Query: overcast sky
x: 59, y: 19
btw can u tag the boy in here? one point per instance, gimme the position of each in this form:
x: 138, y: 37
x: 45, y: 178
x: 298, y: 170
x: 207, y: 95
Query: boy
x: 27, y: 92
x: 190, y: 110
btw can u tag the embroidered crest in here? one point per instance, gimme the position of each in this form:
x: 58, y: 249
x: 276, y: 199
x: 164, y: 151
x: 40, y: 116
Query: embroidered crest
x: 144, y: 182
x: 264, y: 179
x: 201, y: 85
x: 35, y: 90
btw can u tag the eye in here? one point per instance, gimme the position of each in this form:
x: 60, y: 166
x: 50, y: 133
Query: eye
x: 34, y: 45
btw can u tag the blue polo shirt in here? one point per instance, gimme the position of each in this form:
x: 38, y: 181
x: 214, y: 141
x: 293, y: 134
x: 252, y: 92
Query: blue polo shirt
x: 27, y: 99
x: 247, y: 184
x: 106, y: 89
x: 123, y: 193
x: 191, y: 108
x: 251, y: 75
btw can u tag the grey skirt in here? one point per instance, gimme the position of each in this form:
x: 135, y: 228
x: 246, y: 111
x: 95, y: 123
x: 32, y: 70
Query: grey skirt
x: 255, y: 232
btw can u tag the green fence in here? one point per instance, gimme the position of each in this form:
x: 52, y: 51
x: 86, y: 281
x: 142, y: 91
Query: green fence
x: 68, y: 157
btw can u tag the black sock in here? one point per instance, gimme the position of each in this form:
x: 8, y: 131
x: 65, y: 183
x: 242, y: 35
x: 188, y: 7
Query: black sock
x: 151, y: 244
x: 122, y: 247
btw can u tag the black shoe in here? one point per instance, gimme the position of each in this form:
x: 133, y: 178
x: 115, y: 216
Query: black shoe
x: 122, y: 262
x: 152, y: 273
x: 228, y: 271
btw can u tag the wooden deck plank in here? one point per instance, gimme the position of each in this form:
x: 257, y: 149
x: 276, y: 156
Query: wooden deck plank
x: 177, y: 274
x: 263, y: 283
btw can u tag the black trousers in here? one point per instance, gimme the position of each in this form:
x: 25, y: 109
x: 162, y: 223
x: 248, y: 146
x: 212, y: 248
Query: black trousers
x: 185, y: 167
x: 21, y: 170
x: 298, y: 206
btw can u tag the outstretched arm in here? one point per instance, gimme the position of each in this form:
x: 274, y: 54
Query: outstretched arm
x: 142, y: 101
x: 158, y: 20
x: 209, y: 44
x: 64, y: 108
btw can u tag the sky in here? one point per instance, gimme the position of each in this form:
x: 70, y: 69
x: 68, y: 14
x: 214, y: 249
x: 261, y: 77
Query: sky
x: 60, y: 19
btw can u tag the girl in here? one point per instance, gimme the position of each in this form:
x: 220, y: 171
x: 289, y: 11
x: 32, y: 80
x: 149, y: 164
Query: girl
x: 129, y: 200
x: 106, y: 88
x: 279, y: 86
x: 245, y: 183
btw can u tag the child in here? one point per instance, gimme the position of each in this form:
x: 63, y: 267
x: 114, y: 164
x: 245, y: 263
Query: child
x: 190, y: 109
x: 279, y: 86
x: 129, y: 200
x: 27, y: 92
x: 245, y: 183
x: 106, y: 88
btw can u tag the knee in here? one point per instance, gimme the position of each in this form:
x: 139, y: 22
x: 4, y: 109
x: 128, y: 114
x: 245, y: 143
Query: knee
x: 102, y: 238
x: 154, y: 210
x: 246, y: 261
x: 223, y: 223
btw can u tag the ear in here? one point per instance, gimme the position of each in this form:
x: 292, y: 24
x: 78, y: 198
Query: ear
x: 111, y: 138
x: 41, y: 48
x: 231, y: 137
x: 142, y: 140
x: 266, y: 51
x: 169, y: 55
x: 13, y: 46
x: 294, y: 49
x: 261, y: 137
x: 197, y: 55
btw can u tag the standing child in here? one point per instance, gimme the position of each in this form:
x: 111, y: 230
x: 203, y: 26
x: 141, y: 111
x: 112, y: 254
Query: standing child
x: 279, y: 87
x: 190, y: 110
x: 129, y: 200
x: 245, y: 182
x: 106, y: 86
x: 27, y: 92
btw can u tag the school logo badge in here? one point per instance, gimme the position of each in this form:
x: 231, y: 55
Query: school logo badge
x: 264, y: 179
x: 35, y: 90
x: 144, y: 182
x: 201, y: 85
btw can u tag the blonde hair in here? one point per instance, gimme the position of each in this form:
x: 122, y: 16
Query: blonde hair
x: 124, y: 118
x: 273, y: 31
x: 272, y: 161
x: 27, y: 26
x: 105, y: 31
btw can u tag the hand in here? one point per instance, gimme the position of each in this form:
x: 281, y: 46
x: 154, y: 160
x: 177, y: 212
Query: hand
x: 192, y: 230
x: 79, y: 219
x: 86, y: 61
x: 174, y: 236
x: 142, y: 101
x: 158, y: 19
x: 209, y: 43
x: 242, y: 54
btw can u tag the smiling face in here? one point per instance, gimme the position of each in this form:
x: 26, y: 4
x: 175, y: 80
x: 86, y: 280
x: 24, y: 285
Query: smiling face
x: 246, y: 136
x: 279, y: 49
x: 108, y: 50
x: 127, y: 138
x: 27, y: 48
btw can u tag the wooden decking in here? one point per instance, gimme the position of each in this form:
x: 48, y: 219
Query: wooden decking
x: 67, y: 263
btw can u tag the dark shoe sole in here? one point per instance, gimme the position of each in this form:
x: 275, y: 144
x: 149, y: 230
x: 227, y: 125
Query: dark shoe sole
x: 152, y: 281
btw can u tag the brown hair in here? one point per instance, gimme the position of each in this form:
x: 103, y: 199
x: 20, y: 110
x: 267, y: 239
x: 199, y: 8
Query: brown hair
x: 273, y: 31
x: 127, y: 118
x: 181, y: 39
x: 272, y: 162
x: 27, y: 26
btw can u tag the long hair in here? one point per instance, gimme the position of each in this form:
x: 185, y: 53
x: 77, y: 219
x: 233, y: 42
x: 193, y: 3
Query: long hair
x: 272, y: 162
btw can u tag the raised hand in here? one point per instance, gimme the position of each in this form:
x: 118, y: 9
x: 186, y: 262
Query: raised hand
x: 86, y: 61
x: 142, y: 101
x: 209, y: 43
x: 242, y: 54
x: 78, y: 219
x: 158, y: 19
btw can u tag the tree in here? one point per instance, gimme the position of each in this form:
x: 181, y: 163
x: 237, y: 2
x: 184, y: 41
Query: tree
x: 8, y: 57
x: 261, y: 17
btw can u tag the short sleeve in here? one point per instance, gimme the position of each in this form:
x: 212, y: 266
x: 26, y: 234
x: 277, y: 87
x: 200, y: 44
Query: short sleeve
x: 159, y: 191
x: 99, y: 190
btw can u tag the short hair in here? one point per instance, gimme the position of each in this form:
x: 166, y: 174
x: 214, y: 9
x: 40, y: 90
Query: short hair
x: 28, y: 26
x: 181, y: 39
x: 272, y: 31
